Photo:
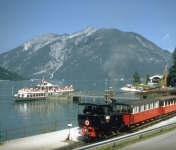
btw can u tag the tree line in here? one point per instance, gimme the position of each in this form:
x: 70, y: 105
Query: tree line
x: 171, y: 75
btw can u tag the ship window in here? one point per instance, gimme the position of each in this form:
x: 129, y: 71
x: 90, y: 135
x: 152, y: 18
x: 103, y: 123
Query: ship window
x: 22, y: 95
x: 37, y: 95
x: 30, y: 95
x: 27, y: 95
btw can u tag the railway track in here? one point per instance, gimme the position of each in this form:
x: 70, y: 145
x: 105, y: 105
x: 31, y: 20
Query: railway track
x: 131, y: 129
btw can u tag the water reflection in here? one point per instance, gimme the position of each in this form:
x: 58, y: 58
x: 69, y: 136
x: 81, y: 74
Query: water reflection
x: 37, y: 112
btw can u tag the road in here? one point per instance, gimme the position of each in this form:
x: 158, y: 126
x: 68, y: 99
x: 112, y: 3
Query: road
x: 163, y: 142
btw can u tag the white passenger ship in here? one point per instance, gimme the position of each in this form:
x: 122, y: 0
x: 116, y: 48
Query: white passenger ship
x: 40, y: 91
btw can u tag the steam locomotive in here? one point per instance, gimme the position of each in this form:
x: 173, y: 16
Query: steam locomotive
x: 97, y: 120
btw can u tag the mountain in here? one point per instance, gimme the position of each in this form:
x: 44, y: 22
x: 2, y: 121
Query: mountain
x: 7, y: 75
x: 88, y: 54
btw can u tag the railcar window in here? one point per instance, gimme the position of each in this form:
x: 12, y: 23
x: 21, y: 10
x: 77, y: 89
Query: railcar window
x: 161, y: 103
x: 146, y: 107
x: 154, y: 105
x: 136, y: 109
x: 151, y: 105
x: 167, y: 104
x: 124, y: 109
x: 141, y: 108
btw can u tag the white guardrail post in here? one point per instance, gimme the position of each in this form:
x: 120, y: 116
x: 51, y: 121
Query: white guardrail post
x: 114, y: 140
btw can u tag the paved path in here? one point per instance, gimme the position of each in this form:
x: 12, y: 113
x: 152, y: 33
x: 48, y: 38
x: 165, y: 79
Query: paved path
x: 48, y: 141
x: 165, y: 141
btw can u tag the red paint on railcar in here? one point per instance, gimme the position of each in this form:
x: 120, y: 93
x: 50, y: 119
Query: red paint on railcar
x: 168, y: 109
x: 141, y: 116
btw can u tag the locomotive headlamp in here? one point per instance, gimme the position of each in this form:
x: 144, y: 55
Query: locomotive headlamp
x: 87, y: 122
x: 107, y: 117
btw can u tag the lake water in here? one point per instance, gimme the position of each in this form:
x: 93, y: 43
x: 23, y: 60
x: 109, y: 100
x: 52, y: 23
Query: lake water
x: 22, y: 114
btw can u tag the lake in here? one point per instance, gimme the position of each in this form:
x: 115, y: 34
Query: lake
x: 22, y: 114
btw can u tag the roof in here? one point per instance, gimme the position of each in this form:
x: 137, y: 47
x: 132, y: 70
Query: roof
x: 156, y: 76
x: 139, y: 102
x: 146, y: 101
x: 90, y: 104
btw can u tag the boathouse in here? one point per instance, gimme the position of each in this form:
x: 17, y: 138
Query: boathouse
x: 155, y: 79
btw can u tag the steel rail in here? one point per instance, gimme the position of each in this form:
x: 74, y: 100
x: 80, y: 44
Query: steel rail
x: 114, y: 140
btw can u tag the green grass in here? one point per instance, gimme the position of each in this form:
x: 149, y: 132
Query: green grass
x: 136, y: 139
x: 1, y: 143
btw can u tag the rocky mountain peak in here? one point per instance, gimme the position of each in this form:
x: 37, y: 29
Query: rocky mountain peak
x: 87, y: 54
x: 40, y: 41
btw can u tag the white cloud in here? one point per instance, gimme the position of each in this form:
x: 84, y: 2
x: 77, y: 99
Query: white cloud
x: 165, y: 37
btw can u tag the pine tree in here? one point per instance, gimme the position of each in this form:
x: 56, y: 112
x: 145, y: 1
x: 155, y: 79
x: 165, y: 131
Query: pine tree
x: 136, y: 78
x: 147, y: 78
x: 171, y: 79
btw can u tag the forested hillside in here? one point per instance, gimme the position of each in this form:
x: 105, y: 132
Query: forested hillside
x: 7, y: 75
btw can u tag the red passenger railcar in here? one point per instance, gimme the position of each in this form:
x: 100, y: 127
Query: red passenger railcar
x: 137, y: 111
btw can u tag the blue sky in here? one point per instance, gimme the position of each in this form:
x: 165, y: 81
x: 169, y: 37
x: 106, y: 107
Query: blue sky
x: 22, y: 20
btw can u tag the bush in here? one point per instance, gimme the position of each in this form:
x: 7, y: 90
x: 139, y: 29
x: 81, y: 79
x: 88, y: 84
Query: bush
x: 153, y: 95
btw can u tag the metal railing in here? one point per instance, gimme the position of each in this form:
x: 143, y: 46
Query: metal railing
x: 125, y: 137
x: 34, y: 130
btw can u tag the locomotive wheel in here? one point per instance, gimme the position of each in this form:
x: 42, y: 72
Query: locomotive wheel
x: 86, y: 138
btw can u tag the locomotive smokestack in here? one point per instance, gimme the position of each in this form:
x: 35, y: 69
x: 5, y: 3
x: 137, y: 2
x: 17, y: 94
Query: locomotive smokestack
x: 113, y: 104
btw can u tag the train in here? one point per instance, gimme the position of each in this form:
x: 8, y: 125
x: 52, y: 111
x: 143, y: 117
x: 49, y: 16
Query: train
x: 97, y: 120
